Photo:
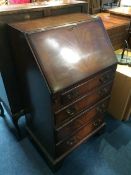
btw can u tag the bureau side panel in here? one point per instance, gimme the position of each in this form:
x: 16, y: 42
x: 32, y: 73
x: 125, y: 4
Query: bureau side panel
x: 34, y: 92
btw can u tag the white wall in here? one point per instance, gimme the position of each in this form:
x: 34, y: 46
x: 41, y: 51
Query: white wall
x: 125, y: 2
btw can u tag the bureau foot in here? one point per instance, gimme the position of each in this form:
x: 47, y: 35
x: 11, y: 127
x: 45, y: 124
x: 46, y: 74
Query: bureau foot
x: 15, y: 122
x: 54, y: 164
x: 20, y: 127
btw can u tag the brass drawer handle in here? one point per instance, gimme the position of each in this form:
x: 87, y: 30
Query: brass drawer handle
x: 95, y: 124
x: 103, y: 91
x: 71, y: 111
x: 101, y: 108
x: 105, y: 78
x: 70, y: 96
x: 71, y: 142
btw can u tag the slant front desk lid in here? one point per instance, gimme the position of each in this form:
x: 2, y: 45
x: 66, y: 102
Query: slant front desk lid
x: 69, y: 53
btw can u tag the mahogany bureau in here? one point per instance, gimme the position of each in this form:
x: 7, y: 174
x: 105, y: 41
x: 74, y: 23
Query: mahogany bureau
x: 65, y: 67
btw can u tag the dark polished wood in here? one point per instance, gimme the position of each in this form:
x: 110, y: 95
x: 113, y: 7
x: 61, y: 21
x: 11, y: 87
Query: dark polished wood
x: 67, y: 68
x: 80, y: 90
x: 78, y: 106
x: 48, y: 22
x: 70, y: 127
x: 65, y: 71
x: 63, y: 147
x: 26, y: 12
x: 116, y: 26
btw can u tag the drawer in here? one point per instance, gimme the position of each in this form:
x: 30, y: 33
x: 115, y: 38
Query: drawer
x: 81, y: 120
x: 83, y: 88
x: 79, y: 137
x: 69, y: 112
x: 21, y: 16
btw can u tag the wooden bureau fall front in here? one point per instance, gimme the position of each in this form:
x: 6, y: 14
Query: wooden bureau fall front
x: 65, y: 67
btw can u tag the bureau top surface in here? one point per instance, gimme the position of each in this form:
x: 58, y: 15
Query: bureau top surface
x: 48, y: 22
x: 71, y: 52
x: 108, y: 21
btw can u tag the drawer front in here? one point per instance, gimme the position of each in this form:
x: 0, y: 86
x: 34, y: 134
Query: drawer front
x: 84, y: 88
x: 80, y: 136
x: 71, y: 111
x: 22, y: 16
x: 81, y: 120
